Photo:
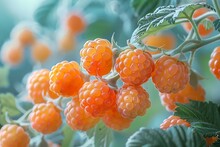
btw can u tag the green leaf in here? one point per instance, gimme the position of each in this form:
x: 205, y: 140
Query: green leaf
x: 164, y: 17
x: 207, y: 23
x: 217, y: 24
x: 101, y: 135
x: 4, y: 72
x: 68, y: 134
x: 203, y: 116
x: 7, y: 105
x: 45, y: 13
x: 177, y: 136
x: 142, y: 7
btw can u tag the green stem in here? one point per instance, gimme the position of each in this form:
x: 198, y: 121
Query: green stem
x: 185, y: 47
x: 195, y: 28
x: 196, y: 46
x: 217, y: 7
x: 191, y: 57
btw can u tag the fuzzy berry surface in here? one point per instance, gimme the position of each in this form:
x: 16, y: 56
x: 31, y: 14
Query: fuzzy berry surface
x: 66, y: 78
x: 114, y: 120
x: 132, y: 101
x: 134, y: 66
x: 77, y: 118
x: 183, y: 96
x: 13, y: 136
x: 214, y: 62
x: 173, y: 121
x: 170, y: 75
x: 45, y: 118
x: 96, y: 97
x: 96, y: 57
x: 38, y: 86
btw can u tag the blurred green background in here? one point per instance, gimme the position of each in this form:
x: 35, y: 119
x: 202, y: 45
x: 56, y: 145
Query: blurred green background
x: 103, y: 18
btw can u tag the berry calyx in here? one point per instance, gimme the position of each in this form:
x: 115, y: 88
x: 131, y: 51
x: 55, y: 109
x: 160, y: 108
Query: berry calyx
x: 132, y: 101
x: 77, y: 118
x: 96, y: 57
x: 134, y: 66
x: 45, y: 118
x: 66, y: 78
x: 13, y: 136
x: 170, y: 75
x: 96, y: 97
x: 173, y: 121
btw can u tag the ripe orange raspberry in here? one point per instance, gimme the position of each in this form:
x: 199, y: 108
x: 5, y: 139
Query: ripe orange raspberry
x: 96, y: 97
x: 12, y: 53
x: 67, y: 42
x: 96, y: 57
x: 214, y: 62
x: 132, y: 101
x: 40, y: 52
x: 182, y: 96
x: 45, y: 118
x: 173, y: 121
x: 66, y: 78
x: 13, y: 136
x: 77, y: 118
x: 134, y: 66
x: 164, y: 41
x: 201, y: 28
x: 75, y: 23
x: 170, y: 75
x: 24, y: 35
x: 38, y: 86
x: 211, y: 140
x: 113, y: 119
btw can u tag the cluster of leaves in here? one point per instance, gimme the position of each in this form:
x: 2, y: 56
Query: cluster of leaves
x: 164, y: 17
x: 204, y: 118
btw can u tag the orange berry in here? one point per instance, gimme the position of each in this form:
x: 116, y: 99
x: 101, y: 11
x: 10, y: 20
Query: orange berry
x: 134, y: 66
x: 75, y: 23
x: 12, y: 53
x: 170, y: 75
x: 77, y: 118
x: 38, y: 86
x: 211, y: 140
x: 182, y: 96
x: 66, y: 78
x: 45, y: 118
x: 132, y: 101
x: 201, y: 28
x: 24, y: 35
x: 96, y: 98
x: 163, y: 41
x: 96, y: 57
x: 214, y: 62
x: 67, y: 42
x: 13, y: 136
x: 40, y: 52
x: 173, y: 121
x: 113, y: 119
